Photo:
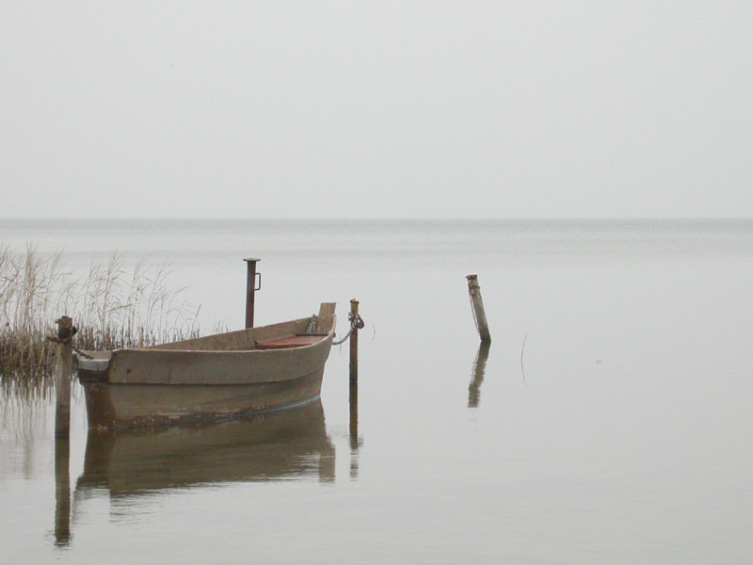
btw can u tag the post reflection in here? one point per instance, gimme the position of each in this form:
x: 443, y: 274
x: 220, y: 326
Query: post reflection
x: 477, y: 375
x: 355, y: 441
x: 62, y: 492
x: 292, y: 444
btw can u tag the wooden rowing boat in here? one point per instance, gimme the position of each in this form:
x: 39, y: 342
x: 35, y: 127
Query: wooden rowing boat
x: 209, y: 378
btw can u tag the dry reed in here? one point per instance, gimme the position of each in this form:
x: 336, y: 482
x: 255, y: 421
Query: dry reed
x: 114, y: 305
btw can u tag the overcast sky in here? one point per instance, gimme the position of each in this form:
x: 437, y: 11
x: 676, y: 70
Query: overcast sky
x: 509, y: 109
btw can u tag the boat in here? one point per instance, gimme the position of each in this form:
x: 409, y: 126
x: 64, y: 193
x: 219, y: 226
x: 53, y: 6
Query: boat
x: 210, y: 378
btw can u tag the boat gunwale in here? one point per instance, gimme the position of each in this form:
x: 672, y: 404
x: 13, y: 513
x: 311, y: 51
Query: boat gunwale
x: 153, y: 350
x: 109, y: 354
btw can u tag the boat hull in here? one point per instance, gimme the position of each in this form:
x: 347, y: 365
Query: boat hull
x: 125, y: 406
x: 208, y: 379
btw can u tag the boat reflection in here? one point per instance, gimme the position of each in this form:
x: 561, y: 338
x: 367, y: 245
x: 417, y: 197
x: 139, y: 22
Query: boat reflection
x: 355, y: 440
x: 288, y: 445
x: 477, y: 375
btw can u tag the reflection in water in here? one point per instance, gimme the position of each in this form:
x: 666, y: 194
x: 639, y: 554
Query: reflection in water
x: 23, y: 420
x: 292, y: 444
x: 23, y: 403
x: 355, y: 441
x: 62, y: 492
x: 477, y: 376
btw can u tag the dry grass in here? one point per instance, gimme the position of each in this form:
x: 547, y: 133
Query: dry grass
x: 114, y: 305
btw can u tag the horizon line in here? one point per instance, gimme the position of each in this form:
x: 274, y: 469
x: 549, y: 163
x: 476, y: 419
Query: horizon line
x: 352, y: 219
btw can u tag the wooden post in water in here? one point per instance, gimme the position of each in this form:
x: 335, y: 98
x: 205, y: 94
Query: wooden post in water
x: 355, y: 323
x: 251, y: 289
x: 63, y: 361
x: 478, y: 309
x: 353, y: 422
x: 354, y: 344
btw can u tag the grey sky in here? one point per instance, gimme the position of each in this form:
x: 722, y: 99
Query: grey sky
x: 376, y: 109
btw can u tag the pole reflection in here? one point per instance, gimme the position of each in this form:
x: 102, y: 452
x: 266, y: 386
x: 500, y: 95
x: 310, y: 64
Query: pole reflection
x: 477, y: 375
x: 62, y: 492
x: 355, y: 441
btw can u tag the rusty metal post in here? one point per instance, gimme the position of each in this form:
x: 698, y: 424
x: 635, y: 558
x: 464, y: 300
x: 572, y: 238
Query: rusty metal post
x: 478, y: 309
x: 356, y: 323
x: 63, y: 362
x: 353, y: 389
x: 354, y: 344
x: 251, y: 288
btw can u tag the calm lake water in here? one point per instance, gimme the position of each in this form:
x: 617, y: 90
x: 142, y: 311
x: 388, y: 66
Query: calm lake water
x: 610, y: 421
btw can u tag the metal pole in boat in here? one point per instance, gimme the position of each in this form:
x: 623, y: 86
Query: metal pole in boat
x: 478, y: 309
x: 251, y: 288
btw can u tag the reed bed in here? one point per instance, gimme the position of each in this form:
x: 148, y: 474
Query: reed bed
x: 118, y: 303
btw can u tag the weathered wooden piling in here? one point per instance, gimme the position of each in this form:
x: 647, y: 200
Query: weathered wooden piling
x: 354, y: 317
x: 63, y: 362
x: 353, y: 389
x: 478, y: 309
x: 252, y: 277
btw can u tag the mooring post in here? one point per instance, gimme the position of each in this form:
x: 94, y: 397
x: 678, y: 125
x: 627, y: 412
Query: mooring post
x: 478, y: 309
x: 251, y: 288
x: 354, y: 343
x: 63, y: 361
x: 353, y: 389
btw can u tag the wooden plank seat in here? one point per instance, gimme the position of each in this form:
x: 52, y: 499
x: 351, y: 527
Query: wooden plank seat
x: 288, y: 342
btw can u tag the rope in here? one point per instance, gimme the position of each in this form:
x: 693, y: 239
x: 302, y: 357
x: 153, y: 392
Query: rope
x: 356, y: 323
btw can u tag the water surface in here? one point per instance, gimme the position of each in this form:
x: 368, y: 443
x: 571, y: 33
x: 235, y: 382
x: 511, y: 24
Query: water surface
x: 609, y: 421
